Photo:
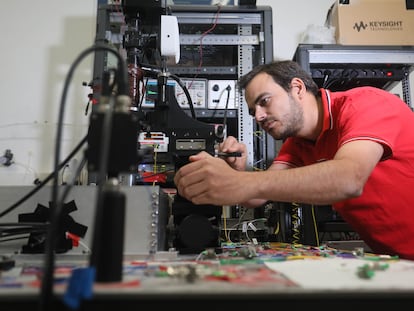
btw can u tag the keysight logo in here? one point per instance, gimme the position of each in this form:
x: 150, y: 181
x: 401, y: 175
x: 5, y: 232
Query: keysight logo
x: 360, y: 26
x: 379, y: 26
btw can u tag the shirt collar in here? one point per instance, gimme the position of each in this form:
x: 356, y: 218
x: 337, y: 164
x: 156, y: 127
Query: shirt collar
x: 327, y: 109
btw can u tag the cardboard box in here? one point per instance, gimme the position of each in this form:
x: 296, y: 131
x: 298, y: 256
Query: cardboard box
x: 373, y: 22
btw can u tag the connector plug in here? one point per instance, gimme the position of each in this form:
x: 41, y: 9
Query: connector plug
x: 6, y: 159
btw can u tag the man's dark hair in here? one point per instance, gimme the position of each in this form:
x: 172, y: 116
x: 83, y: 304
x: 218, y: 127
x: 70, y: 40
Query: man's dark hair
x: 282, y: 73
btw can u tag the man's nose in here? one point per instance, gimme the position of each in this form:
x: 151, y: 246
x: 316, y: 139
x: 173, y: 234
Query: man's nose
x: 260, y: 114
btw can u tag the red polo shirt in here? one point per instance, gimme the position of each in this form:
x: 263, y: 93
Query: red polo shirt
x: 383, y: 215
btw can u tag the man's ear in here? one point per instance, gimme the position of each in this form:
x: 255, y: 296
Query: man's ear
x: 298, y: 88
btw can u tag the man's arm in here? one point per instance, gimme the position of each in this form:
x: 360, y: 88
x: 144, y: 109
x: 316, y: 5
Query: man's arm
x: 253, y: 203
x: 209, y: 180
x: 327, y: 182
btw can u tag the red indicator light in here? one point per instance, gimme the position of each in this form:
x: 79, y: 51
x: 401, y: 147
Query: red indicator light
x: 389, y: 74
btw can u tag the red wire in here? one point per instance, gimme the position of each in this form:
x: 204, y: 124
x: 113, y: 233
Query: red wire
x: 205, y: 33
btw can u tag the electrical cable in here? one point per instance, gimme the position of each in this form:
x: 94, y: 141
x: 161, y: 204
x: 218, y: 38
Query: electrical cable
x: 228, y: 88
x: 13, y: 229
x: 330, y: 82
x: 46, y: 293
x: 73, y: 180
x: 17, y: 238
x: 27, y: 168
x: 45, y: 181
x: 30, y: 228
x: 226, y: 108
x: 226, y: 235
x: 63, y: 174
x: 236, y: 226
x: 252, y: 227
x: 205, y: 33
x: 329, y: 15
x: 405, y: 87
x: 295, y: 223
x: 325, y: 80
x: 143, y: 95
x: 187, y: 94
x: 315, y: 225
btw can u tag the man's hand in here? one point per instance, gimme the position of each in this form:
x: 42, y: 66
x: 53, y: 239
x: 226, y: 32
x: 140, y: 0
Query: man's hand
x: 229, y: 145
x: 209, y: 180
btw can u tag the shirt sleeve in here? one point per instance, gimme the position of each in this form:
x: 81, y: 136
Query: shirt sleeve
x: 370, y: 114
x: 289, y: 153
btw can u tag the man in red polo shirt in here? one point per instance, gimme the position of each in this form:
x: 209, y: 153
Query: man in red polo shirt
x: 353, y: 150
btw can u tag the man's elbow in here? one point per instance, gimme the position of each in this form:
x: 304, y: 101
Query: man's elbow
x: 353, y: 188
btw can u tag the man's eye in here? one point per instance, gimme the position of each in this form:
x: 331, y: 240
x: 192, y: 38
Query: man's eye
x: 264, y: 101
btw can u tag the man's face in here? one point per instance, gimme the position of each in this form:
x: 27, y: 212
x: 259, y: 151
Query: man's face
x: 274, y: 109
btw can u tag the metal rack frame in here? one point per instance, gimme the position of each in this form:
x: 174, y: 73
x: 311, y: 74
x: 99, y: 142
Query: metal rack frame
x: 398, y: 59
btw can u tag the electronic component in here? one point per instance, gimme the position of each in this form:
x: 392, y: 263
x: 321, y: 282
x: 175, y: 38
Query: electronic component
x: 197, y: 89
x: 169, y: 38
x: 182, y: 108
x: 222, y: 94
x: 157, y: 141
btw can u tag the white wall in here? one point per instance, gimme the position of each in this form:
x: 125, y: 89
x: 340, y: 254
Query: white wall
x: 290, y: 20
x: 41, y: 39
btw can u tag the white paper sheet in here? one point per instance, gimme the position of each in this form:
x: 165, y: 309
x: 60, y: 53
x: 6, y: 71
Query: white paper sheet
x: 342, y: 273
